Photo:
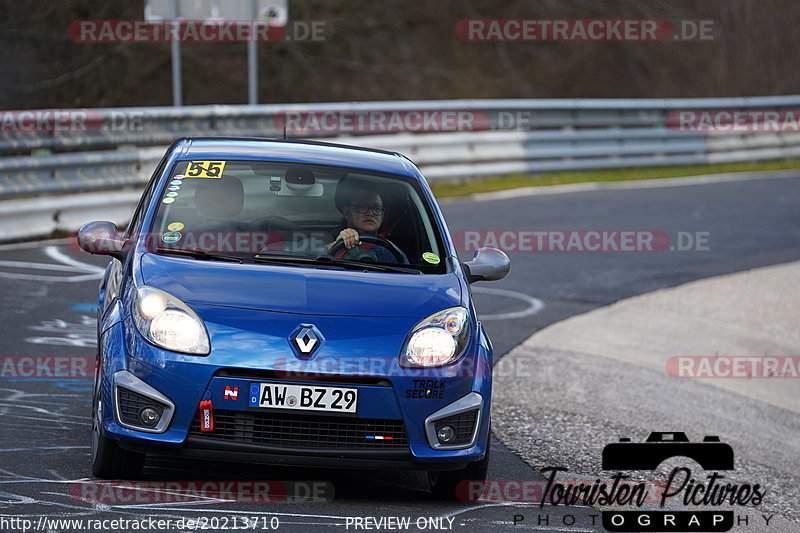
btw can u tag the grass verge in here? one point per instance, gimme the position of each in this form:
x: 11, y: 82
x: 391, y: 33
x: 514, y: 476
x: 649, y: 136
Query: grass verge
x: 514, y: 181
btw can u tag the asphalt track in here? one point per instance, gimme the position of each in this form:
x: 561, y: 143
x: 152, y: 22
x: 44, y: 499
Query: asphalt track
x: 48, y: 288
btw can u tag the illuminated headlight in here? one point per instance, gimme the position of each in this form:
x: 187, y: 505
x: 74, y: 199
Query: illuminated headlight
x: 168, y: 322
x: 437, y: 340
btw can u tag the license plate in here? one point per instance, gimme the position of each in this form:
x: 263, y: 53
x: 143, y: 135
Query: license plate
x: 303, y: 397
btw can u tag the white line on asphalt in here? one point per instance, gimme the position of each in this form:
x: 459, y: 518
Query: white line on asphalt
x: 85, y: 271
x: 32, y: 244
x: 22, y: 397
x: 38, y: 266
x: 534, y: 304
x: 6, y: 415
x: 40, y: 410
x: 622, y: 185
x: 18, y: 498
x: 509, y: 504
x: 39, y: 480
x: 232, y: 511
x: 43, y: 448
x: 55, y: 253
x: 34, y: 277
x: 204, y: 499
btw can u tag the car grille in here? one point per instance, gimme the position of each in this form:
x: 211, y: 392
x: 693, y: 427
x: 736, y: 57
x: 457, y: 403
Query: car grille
x: 131, y: 403
x: 304, y: 430
x: 464, y: 424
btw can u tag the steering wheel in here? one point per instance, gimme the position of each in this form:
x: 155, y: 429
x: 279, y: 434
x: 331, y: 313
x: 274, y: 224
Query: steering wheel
x: 365, y: 254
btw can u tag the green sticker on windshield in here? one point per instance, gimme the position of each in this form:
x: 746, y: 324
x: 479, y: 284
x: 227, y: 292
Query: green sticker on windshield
x: 172, y: 236
x: 431, y: 258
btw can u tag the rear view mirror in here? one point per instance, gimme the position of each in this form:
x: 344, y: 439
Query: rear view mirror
x: 299, y: 181
x: 488, y: 264
x: 102, y: 237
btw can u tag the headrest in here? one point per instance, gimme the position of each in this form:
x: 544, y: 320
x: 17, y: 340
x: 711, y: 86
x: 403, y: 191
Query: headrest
x: 219, y: 197
x: 347, y: 188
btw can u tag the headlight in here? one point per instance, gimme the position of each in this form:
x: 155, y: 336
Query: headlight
x: 437, y: 340
x: 168, y: 322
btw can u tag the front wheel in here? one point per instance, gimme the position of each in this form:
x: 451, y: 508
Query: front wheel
x: 444, y: 484
x: 109, y: 461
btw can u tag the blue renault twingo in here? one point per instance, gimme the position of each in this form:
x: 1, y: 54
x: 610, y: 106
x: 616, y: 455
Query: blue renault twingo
x: 291, y: 303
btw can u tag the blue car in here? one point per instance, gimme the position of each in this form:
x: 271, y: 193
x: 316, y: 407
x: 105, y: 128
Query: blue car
x: 290, y: 303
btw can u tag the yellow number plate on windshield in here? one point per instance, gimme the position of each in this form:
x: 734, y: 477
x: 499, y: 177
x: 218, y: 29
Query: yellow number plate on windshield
x: 205, y: 169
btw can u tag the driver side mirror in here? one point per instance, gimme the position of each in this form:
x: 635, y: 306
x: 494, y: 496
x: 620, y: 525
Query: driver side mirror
x: 103, y: 238
x: 488, y: 264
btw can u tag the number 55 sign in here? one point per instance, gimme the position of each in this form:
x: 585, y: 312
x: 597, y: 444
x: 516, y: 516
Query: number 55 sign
x: 205, y: 169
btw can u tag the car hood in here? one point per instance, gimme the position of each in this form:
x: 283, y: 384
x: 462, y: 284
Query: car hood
x: 302, y: 290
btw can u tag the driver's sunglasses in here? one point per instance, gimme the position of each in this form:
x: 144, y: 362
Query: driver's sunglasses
x: 363, y: 209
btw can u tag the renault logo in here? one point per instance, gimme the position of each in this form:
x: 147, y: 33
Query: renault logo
x: 306, y: 340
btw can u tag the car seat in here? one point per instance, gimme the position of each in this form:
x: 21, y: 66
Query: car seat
x: 221, y: 200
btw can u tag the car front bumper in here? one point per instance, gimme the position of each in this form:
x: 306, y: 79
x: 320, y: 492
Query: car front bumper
x: 399, y: 398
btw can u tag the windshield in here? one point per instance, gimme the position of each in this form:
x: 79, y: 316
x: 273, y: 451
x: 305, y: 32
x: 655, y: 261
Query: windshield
x: 297, y: 214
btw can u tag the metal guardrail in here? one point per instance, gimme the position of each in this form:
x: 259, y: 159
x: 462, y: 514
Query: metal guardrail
x: 80, y: 171
x: 38, y: 217
x: 554, y: 135
x: 113, y: 127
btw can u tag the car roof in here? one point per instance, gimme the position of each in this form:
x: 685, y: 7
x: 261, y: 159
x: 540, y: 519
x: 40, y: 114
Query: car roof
x: 298, y: 151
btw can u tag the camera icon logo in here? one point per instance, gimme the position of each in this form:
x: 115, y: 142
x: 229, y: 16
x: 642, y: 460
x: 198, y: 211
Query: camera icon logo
x: 711, y: 453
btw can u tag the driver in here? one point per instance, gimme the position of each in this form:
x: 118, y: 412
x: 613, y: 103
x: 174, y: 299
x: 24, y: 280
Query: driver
x: 363, y: 214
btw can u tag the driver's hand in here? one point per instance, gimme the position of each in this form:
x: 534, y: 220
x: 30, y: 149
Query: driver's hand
x: 349, y: 236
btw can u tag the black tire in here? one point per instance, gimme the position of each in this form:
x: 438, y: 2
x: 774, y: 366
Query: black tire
x: 109, y: 461
x: 444, y: 484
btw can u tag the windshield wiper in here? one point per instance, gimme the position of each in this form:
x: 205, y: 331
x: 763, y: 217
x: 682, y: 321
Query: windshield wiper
x: 326, y: 260
x: 285, y: 258
x: 363, y: 265
x: 199, y: 254
x: 280, y: 259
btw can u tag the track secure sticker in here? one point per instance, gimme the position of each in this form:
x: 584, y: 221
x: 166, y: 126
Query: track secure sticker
x: 431, y: 258
x: 172, y: 236
x: 205, y: 169
x: 430, y: 389
x: 176, y: 226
